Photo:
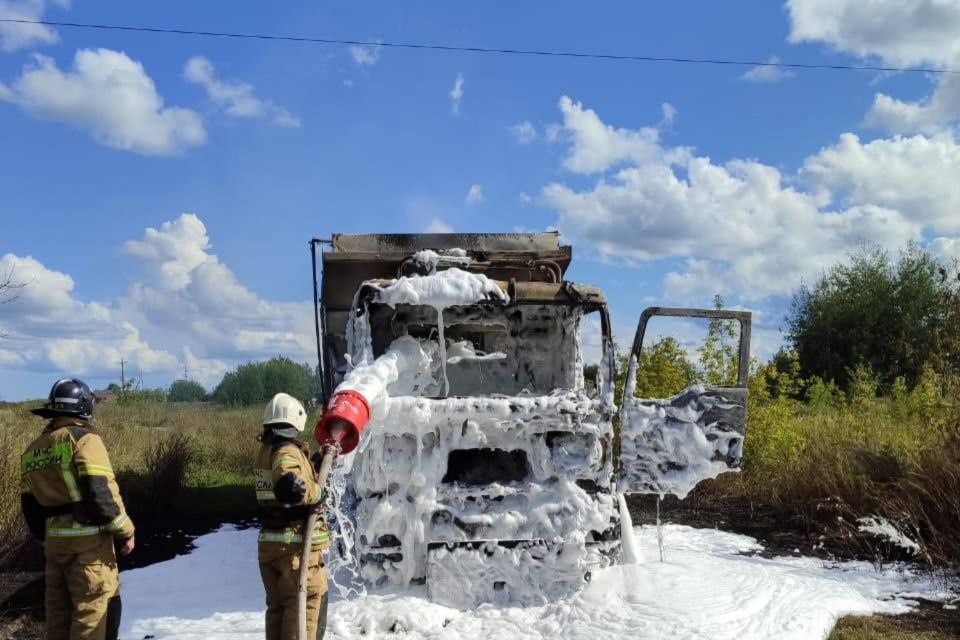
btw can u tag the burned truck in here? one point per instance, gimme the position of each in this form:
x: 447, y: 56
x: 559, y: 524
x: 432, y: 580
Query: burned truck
x: 490, y: 468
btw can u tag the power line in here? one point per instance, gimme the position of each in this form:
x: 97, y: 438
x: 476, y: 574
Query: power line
x: 454, y: 48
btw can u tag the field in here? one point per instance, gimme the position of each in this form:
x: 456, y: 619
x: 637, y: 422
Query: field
x: 811, y: 470
x: 176, y: 463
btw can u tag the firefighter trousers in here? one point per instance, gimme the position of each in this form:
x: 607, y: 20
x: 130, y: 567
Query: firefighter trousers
x: 280, y: 577
x: 83, y: 594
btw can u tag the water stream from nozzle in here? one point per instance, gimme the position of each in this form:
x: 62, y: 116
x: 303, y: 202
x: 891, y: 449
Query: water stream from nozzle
x: 344, y: 565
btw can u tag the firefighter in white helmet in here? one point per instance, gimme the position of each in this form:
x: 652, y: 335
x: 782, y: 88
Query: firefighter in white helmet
x: 287, y: 490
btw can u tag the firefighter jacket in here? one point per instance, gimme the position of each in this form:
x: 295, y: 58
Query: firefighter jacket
x: 287, y: 490
x: 69, y: 495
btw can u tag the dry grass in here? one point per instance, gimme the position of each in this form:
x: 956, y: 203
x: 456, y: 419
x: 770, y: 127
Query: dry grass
x: 821, y: 466
x: 21, y: 628
x: 823, y: 469
x: 918, y: 626
x: 156, y: 450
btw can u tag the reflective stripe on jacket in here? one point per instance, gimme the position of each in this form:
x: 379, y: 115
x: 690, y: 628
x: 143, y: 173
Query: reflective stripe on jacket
x: 68, y: 489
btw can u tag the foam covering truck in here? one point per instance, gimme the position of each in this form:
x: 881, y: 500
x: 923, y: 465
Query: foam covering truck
x: 491, y: 469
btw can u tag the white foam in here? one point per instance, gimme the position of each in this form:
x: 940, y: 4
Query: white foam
x: 628, y: 540
x: 707, y: 589
x: 428, y: 259
x: 668, y: 446
x: 443, y: 289
x: 885, y: 529
x: 404, y: 370
x: 452, y: 287
x: 400, y: 464
x: 405, y: 457
x: 465, y: 351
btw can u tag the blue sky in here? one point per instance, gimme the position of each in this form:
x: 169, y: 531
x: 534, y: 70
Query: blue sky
x: 673, y: 182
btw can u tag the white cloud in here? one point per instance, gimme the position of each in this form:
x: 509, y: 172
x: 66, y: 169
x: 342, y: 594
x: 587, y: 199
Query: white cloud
x: 365, y: 55
x: 10, y: 359
x: 524, y: 132
x: 767, y: 73
x: 525, y: 197
x: 187, y: 288
x: 15, y: 35
x: 53, y: 331
x: 438, y: 226
x: 173, y: 251
x: 699, y: 280
x: 184, y: 307
x: 236, y: 98
x: 474, y: 195
x: 456, y: 94
x: 743, y: 226
x: 929, y: 115
x: 206, y: 371
x: 670, y: 114
x: 899, y: 32
x: 916, y: 176
x: 90, y: 355
x: 111, y: 97
x: 946, y: 249
x: 596, y: 146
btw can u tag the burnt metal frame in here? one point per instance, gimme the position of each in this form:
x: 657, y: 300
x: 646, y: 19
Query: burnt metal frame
x: 743, y: 317
x: 606, y: 330
x: 320, y: 323
x: 319, y: 318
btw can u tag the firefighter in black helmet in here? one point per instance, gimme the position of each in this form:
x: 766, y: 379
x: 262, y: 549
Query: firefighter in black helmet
x: 71, y: 502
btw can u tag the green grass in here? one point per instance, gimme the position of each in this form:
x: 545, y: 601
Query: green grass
x: 890, y: 628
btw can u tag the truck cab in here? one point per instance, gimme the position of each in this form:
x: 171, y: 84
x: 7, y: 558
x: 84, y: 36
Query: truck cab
x: 494, y: 473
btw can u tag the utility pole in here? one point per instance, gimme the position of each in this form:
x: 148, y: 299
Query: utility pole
x: 123, y: 378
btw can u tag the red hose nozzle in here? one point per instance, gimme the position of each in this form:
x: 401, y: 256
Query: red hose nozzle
x: 346, y: 415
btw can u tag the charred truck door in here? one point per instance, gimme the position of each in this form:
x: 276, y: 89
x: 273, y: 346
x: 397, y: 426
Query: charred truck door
x: 668, y: 445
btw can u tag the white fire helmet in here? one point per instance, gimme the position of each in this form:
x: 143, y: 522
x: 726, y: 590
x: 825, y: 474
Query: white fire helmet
x: 285, y: 409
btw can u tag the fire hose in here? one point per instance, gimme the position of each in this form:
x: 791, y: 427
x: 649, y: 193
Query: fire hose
x: 329, y: 453
x: 338, y: 431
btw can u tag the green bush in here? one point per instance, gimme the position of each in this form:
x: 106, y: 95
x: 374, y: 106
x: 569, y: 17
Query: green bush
x: 257, y: 382
x: 129, y: 397
x: 186, y: 391
x: 863, y: 385
x: 893, y: 316
x: 822, y: 396
x: 663, y: 369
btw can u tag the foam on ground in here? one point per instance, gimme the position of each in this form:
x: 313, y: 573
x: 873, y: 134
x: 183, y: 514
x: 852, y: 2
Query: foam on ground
x: 706, y: 589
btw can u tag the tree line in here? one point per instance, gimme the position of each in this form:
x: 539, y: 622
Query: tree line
x: 876, y: 322
x: 249, y: 384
